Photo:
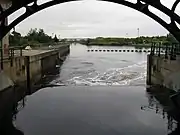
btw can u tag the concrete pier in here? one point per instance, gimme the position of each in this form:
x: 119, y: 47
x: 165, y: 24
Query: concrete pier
x: 163, y: 71
x: 32, y: 65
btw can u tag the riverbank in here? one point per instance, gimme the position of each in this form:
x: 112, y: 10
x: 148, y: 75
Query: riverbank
x: 138, y: 42
x: 137, y: 46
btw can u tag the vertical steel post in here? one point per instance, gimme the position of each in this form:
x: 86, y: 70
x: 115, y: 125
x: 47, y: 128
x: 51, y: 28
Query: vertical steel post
x: 171, y: 52
x: 28, y: 75
x: 2, y: 65
x: 166, y: 51
x: 159, y: 50
x: 21, y: 51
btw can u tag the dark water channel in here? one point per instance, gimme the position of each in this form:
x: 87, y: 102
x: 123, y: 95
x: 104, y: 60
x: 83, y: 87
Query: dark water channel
x: 99, y: 93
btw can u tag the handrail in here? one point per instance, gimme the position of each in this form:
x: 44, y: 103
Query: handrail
x: 10, y: 54
x: 171, y: 50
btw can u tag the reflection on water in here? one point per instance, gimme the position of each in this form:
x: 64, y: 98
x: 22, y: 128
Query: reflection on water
x: 171, y: 118
x: 11, y: 102
x: 18, y: 120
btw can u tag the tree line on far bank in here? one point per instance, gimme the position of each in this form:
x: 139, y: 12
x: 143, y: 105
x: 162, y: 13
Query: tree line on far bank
x: 144, y: 41
x: 37, y: 37
x: 34, y: 37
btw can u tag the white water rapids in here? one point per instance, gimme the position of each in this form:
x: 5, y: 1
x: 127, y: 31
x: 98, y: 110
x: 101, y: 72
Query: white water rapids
x: 83, y: 68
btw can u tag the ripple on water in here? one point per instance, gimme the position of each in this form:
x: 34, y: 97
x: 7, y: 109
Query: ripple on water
x: 130, y: 75
x: 87, y: 63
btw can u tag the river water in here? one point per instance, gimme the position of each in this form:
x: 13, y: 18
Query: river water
x: 102, y: 68
x: 99, y: 93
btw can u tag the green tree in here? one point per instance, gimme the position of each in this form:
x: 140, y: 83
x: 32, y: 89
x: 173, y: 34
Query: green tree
x: 16, y: 39
x: 171, y: 39
x: 56, y: 39
x: 38, y: 36
x: 33, y: 37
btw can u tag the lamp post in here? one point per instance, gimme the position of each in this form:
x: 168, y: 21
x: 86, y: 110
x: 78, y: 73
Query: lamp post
x: 138, y: 31
x: 126, y: 35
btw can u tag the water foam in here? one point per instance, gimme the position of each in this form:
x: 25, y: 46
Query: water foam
x: 115, y: 76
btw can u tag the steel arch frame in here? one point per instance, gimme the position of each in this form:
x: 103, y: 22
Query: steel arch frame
x: 141, y: 6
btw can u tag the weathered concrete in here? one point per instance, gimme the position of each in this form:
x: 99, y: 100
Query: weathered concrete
x: 42, y: 63
x: 32, y: 66
x: 5, y: 81
x: 165, y: 72
x: 15, y: 69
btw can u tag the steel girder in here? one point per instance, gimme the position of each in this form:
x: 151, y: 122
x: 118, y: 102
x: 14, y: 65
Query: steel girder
x: 141, y: 5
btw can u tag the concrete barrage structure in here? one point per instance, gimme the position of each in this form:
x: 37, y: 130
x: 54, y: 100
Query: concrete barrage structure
x: 164, y: 68
x: 29, y: 68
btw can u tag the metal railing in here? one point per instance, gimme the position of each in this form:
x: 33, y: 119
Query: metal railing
x: 50, y: 46
x: 160, y: 50
x: 15, y: 51
x: 9, y: 54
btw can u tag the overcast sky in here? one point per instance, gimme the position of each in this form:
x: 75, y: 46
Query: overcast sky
x: 90, y: 18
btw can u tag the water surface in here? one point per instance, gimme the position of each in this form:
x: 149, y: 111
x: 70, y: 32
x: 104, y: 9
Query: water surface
x: 103, y: 68
x: 104, y: 94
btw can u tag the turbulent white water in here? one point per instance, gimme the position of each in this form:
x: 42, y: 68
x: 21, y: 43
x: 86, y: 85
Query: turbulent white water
x: 116, y: 76
x: 82, y: 68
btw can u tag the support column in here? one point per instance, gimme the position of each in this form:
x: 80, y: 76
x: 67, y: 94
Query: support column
x: 4, y: 43
x: 149, y: 68
x: 5, y: 40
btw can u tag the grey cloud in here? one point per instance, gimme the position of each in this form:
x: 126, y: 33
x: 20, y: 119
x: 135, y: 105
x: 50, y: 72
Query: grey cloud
x: 90, y: 18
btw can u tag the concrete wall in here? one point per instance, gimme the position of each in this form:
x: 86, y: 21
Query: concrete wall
x: 48, y: 63
x: 15, y: 69
x: 5, y: 81
x: 30, y: 69
x: 44, y: 63
x: 165, y: 72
